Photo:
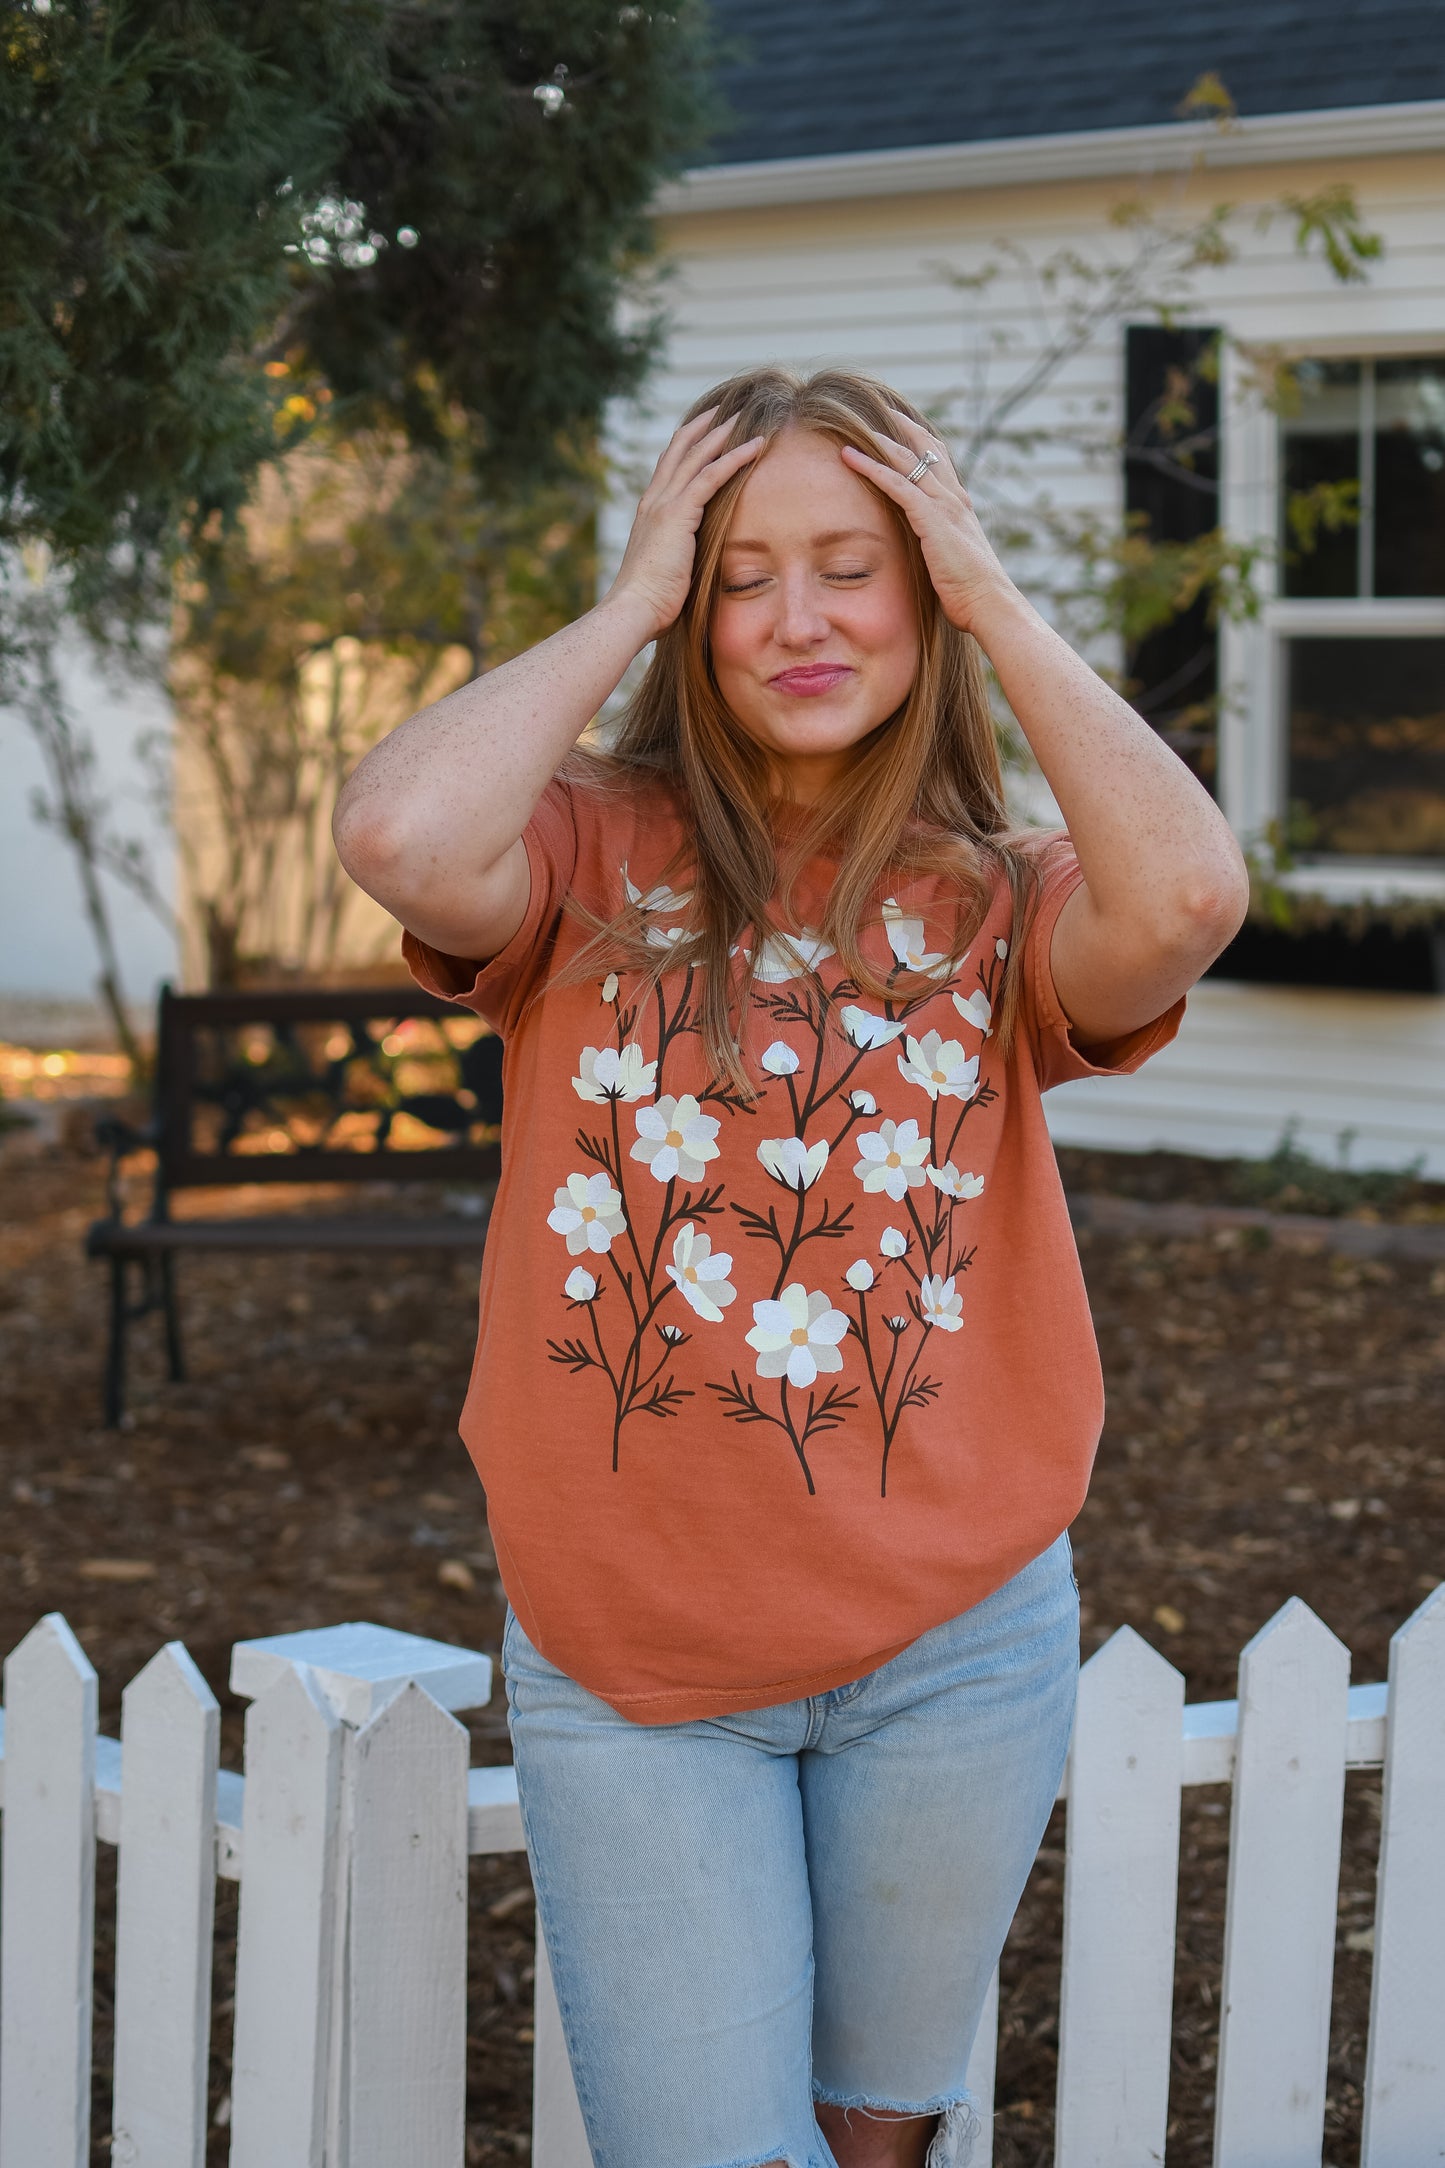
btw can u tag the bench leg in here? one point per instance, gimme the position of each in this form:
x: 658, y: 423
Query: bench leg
x: 174, y: 1355
x: 113, y: 1390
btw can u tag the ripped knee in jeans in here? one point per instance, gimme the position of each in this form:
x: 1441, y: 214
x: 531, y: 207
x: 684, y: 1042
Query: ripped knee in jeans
x: 954, y: 2137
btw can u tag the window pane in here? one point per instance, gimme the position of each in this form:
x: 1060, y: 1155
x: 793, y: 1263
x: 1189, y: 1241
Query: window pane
x: 1410, y: 477
x: 1322, y: 444
x: 1367, y: 745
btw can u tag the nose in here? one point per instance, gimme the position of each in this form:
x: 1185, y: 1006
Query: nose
x: 800, y: 622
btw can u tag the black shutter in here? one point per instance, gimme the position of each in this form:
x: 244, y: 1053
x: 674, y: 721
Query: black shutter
x: 1172, y: 477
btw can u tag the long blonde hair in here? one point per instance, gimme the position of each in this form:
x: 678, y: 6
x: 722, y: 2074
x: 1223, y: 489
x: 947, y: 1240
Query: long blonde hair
x: 923, y: 794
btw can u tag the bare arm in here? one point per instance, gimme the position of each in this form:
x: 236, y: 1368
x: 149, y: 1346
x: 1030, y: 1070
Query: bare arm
x: 430, y: 822
x: 1165, y: 886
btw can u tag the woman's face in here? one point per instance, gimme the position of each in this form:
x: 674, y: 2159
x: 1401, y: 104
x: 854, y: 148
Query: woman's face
x: 814, y: 629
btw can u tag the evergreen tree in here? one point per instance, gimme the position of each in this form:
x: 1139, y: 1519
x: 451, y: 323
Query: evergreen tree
x: 217, y: 216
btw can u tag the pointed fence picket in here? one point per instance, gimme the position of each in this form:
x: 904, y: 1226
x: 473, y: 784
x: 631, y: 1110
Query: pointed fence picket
x: 165, y: 1911
x: 1280, y: 1905
x: 1405, y: 2065
x: 405, y: 2004
x: 350, y: 1829
x: 47, y: 1879
x: 1122, y: 1835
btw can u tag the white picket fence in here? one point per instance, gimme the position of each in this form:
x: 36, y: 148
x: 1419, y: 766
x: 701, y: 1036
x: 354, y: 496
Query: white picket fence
x: 350, y: 1832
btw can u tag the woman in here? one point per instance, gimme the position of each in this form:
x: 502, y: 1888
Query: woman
x: 786, y: 1390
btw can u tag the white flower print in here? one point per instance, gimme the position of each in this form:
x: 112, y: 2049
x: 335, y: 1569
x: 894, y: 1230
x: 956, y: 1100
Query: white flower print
x: 863, y: 1102
x: 940, y: 1066
x: 954, y: 1184
x: 665, y: 936
x: 893, y: 1242
x: 860, y: 1275
x: 868, y: 1031
x: 701, y: 1273
x: 579, y: 1285
x: 792, y: 1162
x: 675, y: 1137
x: 893, y: 1157
x: 1000, y: 949
x: 609, y: 988
x: 588, y: 1212
x: 942, y: 1305
x: 660, y: 898
x: 977, y: 1010
x: 780, y: 1060
x: 785, y: 956
x: 905, y: 938
x: 797, y: 1335
x: 606, y: 1073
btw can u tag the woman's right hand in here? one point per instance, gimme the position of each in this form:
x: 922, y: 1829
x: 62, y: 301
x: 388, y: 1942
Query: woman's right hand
x: 656, y: 568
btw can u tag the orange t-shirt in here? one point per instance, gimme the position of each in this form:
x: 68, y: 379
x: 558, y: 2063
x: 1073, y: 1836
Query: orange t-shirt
x: 762, y: 1393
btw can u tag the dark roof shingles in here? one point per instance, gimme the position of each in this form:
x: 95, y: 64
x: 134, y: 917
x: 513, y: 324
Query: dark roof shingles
x: 806, y: 78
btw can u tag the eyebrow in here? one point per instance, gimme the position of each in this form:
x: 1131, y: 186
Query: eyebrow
x: 818, y: 541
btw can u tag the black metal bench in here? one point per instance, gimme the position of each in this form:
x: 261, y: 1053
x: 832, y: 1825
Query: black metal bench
x: 346, y: 1085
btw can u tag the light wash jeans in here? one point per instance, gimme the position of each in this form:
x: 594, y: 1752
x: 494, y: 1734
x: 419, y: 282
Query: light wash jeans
x: 751, y: 1913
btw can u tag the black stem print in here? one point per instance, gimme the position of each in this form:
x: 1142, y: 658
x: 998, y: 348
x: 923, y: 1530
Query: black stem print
x: 625, y: 1279
x: 799, y: 1445
x: 627, y: 1202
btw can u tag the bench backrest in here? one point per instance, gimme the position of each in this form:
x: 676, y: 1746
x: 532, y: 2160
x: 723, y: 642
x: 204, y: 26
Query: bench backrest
x: 340, y: 1084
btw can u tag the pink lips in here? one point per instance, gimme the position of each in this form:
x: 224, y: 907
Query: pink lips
x: 812, y: 677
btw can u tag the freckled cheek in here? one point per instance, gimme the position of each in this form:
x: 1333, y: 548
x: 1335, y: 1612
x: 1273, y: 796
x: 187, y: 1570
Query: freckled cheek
x: 738, y: 637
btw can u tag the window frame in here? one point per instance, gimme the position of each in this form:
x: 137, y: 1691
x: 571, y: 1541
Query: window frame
x: 1253, y: 724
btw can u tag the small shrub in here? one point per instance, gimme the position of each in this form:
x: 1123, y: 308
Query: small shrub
x: 1293, y: 1180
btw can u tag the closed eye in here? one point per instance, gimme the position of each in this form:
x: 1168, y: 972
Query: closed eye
x: 747, y: 587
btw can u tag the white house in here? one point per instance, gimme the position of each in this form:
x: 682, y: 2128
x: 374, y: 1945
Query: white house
x: 878, y: 152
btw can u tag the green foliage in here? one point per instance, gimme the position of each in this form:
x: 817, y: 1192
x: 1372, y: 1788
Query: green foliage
x: 1293, y: 1180
x: 143, y: 151
x: 520, y: 145
x: 423, y: 210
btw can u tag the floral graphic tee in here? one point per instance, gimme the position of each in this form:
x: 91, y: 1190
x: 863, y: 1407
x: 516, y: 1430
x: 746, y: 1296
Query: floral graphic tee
x: 765, y: 1389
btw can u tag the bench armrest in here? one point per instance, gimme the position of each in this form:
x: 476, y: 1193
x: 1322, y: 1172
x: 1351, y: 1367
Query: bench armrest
x: 122, y: 1140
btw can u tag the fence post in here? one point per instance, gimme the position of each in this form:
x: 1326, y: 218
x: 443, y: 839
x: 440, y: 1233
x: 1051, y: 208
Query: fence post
x: 165, y: 1913
x: 1405, y: 2065
x: 981, y: 2072
x: 1280, y: 1904
x: 285, y: 1948
x: 559, y: 2138
x: 405, y: 1783
x: 396, y: 1820
x: 47, y: 1925
x: 1120, y: 1894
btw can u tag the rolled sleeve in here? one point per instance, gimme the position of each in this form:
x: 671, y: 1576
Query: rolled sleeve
x: 498, y: 987
x: 1058, y: 1057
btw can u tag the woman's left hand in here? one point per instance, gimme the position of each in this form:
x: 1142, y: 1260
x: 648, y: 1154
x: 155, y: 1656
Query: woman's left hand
x: 960, y: 558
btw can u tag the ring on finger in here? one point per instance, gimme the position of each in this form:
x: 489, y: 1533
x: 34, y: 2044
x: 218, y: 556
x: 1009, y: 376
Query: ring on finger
x: 926, y: 460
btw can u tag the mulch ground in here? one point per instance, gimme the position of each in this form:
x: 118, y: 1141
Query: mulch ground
x: 1274, y: 1429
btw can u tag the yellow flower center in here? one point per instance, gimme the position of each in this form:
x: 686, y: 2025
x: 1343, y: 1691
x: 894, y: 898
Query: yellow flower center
x: 689, y: 1272
x: 673, y: 1137
x: 893, y: 1160
x: 589, y: 1211
x: 799, y: 1336
x: 939, y: 1076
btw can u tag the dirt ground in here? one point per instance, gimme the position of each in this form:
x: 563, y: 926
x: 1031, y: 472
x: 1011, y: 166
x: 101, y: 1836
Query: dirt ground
x: 1274, y: 1429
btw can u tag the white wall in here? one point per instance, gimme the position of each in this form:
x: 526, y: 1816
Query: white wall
x: 46, y: 949
x: 857, y: 282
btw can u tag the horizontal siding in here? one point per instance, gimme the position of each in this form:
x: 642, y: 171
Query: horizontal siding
x: 1249, y: 1060
x: 860, y: 283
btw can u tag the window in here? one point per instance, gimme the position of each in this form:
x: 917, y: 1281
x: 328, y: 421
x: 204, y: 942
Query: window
x: 1362, y: 541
